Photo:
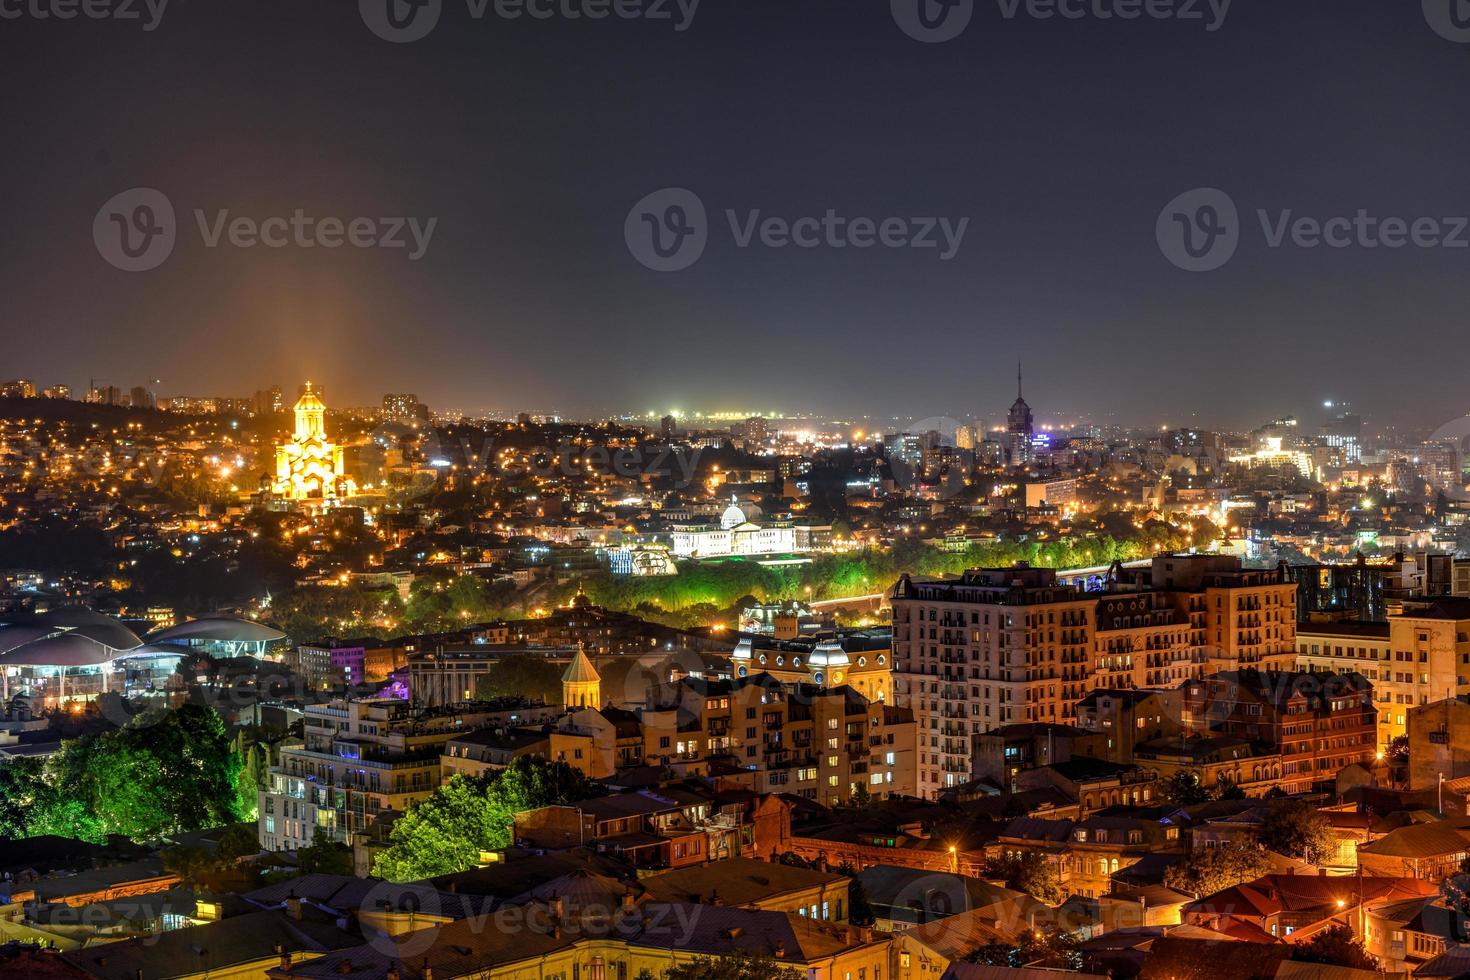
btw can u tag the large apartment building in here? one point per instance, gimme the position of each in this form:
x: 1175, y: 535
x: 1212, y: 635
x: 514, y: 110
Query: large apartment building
x: 1001, y: 646
x: 772, y: 736
x: 1419, y: 656
x: 359, y: 759
x: 1317, y: 723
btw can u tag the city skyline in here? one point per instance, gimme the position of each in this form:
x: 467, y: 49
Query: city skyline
x: 515, y: 284
x: 158, y: 391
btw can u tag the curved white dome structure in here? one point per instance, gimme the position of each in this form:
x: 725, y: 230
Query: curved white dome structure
x: 100, y: 629
x: 76, y: 653
x: 59, y: 650
x: 12, y: 636
x: 218, y: 629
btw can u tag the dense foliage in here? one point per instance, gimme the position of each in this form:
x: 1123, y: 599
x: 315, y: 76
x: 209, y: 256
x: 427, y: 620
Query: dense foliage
x: 535, y: 678
x: 1297, y: 829
x: 704, y: 591
x: 324, y: 856
x: 1028, y: 872
x: 1214, y: 869
x: 1186, y: 788
x: 1053, y: 948
x: 447, y: 831
x: 164, y: 773
x: 720, y: 584
x: 1336, y: 945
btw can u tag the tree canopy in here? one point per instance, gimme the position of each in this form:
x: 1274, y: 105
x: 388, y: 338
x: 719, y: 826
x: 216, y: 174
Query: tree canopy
x: 1297, y: 829
x: 446, y: 831
x: 1028, y: 872
x: 324, y: 856
x: 164, y: 773
x: 1336, y: 945
x: 521, y: 676
x: 1214, y: 869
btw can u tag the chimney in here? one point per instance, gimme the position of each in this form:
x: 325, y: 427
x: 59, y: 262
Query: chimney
x: 780, y: 950
x: 393, y: 973
x: 555, y: 908
x: 285, y: 956
x: 715, y: 899
x: 628, y: 901
x: 428, y: 971
x: 344, y: 966
x: 293, y: 907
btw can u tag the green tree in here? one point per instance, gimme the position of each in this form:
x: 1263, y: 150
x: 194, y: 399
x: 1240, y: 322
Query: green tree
x: 324, y: 856
x: 1053, y: 947
x: 1028, y: 872
x: 1337, y: 945
x: 22, y: 789
x: 36, y: 801
x: 251, y: 758
x: 63, y: 816
x: 189, y: 863
x: 165, y: 773
x: 859, y: 909
x: 739, y: 965
x: 1214, y: 869
x: 1185, y: 789
x: 446, y: 831
x: 521, y: 676
x: 240, y: 841
x: 1297, y: 829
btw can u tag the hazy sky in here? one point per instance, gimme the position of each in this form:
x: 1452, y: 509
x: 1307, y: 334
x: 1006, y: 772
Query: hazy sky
x: 531, y: 140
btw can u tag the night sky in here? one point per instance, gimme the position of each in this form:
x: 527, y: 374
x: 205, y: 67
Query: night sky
x: 530, y: 141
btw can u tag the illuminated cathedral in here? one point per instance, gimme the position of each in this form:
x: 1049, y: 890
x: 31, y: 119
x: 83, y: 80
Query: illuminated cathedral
x: 310, y: 467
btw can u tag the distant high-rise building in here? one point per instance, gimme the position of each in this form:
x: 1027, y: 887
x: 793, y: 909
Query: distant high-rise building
x: 141, y: 397
x: 19, y: 388
x: 1019, y: 428
x: 1344, y: 431
x: 404, y: 408
x: 667, y: 426
x: 57, y: 391
x: 966, y: 437
x: 906, y: 447
x: 270, y: 401
x: 756, y: 431
x: 105, y: 395
x: 1284, y: 430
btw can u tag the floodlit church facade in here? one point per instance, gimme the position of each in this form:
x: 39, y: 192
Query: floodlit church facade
x: 310, y: 466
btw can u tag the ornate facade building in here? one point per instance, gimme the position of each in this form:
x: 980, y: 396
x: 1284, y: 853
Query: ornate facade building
x: 310, y: 467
